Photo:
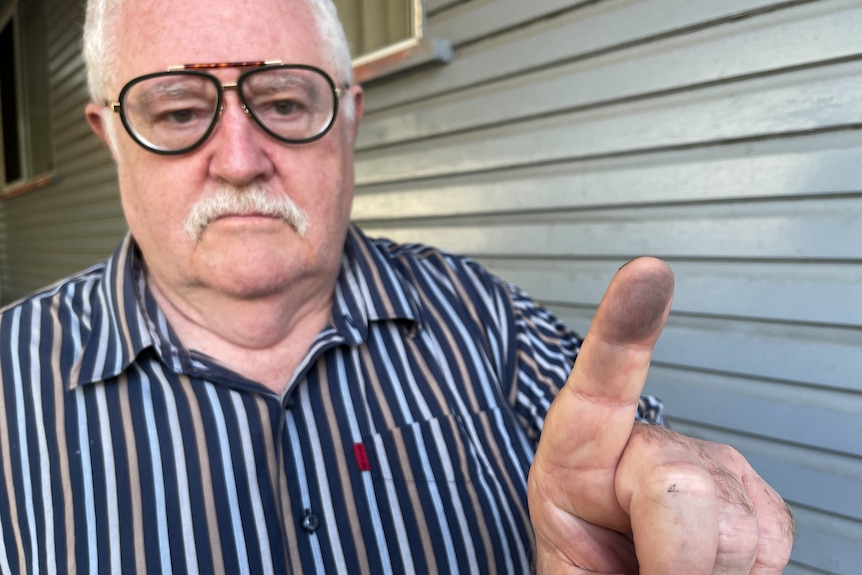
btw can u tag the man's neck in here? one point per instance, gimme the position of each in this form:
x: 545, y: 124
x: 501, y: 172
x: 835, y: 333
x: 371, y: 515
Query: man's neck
x: 263, y: 340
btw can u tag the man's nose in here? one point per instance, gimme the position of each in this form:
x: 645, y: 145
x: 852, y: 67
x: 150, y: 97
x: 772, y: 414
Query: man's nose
x: 239, y: 155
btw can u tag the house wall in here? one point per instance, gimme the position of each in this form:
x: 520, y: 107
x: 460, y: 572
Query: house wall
x: 567, y: 137
x: 67, y: 226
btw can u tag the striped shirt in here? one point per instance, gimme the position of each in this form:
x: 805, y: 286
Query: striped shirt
x: 401, y: 445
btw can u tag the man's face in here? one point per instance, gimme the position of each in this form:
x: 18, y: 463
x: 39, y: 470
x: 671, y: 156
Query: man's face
x: 246, y: 256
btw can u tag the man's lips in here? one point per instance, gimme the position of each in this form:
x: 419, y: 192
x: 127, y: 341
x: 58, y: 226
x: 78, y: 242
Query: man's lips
x: 248, y: 215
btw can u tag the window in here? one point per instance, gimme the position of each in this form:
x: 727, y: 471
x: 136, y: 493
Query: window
x: 25, y: 113
x: 387, y: 36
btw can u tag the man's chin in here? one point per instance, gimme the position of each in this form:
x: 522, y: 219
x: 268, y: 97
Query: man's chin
x: 254, y: 277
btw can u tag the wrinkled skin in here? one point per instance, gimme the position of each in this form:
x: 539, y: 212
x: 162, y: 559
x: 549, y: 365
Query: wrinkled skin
x: 610, y: 496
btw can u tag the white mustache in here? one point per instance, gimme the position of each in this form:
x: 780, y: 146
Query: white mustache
x: 253, y: 199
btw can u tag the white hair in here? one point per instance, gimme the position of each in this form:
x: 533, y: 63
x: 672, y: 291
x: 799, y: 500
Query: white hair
x: 101, y: 37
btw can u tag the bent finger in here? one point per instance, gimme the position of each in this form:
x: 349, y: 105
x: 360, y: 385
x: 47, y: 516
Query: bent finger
x: 775, y: 524
x: 671, y: 498
x: 756, y: 526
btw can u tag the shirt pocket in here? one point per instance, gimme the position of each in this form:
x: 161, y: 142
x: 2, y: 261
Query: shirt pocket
x: 455, y: 483
x: 451, y: 449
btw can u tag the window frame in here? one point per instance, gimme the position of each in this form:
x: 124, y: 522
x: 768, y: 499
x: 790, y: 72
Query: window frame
x: 411, y: 52
x: 32, y: 177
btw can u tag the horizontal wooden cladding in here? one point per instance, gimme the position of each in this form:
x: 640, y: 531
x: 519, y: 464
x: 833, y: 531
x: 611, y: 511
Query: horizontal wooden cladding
x: 68, y: 79
x: 827, y: 542
x: 88, y: 178
x: 87, y: 161
x: 488, y: 17
x: 67, y: 68
x: 795, y: 568
x: 804, y: 415
x: 65, y: 19
x: 810, y: 165
x: 775, y: 41
x: 59, y: 231
x: 433, y: 6
x: 54, y: 260
x: 815, y: 356
x: 808, y: 100
x: 39, y: 258
x: 57, y: 260
x: 805, y: 229
x: 600, y: 27
x: 71, y: 122
x: 69, y: 238
x: 829, y: 536
x: 84, y: 230
x: 807, y: 292
x: 54, y: 222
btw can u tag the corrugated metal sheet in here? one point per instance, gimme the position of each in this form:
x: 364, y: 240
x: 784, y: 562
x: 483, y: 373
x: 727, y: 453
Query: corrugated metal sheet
x: 567, y: 137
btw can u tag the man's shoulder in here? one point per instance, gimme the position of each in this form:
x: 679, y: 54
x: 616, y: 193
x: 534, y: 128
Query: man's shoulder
x: 71, y: 293
x: 457, y: 286
x: 410, y: 257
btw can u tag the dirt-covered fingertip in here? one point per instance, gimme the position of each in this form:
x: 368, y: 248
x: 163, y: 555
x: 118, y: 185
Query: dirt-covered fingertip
x: 637, y: 301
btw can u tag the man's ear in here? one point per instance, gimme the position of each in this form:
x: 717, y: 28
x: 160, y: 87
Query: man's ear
x: 358, y: 109
x: 98, y: 123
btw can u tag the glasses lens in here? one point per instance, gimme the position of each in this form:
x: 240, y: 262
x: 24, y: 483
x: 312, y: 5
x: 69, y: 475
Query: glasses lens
x: 292, y: 104
x: 171, y: 111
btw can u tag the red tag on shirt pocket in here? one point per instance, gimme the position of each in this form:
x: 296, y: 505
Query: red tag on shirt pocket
x: 361, y: 457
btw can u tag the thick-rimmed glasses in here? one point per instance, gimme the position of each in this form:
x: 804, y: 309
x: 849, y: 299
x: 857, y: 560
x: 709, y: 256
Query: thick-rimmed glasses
x: 174, y: 112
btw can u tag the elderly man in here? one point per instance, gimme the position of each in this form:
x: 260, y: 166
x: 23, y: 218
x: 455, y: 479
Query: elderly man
x: 251, y: 385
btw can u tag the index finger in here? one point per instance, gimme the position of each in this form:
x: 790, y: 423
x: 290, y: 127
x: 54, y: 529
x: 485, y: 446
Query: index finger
x: 591, y: 420
x: 609, y: 374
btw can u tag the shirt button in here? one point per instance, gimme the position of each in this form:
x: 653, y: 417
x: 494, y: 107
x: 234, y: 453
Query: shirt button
x: 310, y: 522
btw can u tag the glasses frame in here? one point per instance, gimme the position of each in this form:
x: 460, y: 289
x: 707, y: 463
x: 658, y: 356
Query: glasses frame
x: 257, y: 67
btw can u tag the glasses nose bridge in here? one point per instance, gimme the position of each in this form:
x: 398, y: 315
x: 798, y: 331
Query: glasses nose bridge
x: 224, y: 87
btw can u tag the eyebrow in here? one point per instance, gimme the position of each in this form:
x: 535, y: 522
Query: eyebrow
x: 171, y: 89
x: 282, y: 81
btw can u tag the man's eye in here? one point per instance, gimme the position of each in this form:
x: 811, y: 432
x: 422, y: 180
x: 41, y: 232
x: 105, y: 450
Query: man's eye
x: 286, y: 107
x: 180, y: 116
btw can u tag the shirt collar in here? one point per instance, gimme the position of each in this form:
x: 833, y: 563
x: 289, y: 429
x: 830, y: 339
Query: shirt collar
x: 370, y: 288
x: 119, y: 330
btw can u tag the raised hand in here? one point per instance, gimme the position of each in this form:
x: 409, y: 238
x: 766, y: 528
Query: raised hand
x: 611, y: 496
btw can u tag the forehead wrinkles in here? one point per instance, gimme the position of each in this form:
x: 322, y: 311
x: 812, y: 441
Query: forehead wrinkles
x: 188, y: 31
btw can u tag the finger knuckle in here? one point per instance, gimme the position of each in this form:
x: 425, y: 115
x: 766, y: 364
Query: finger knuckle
x: 672, y: 479
x: 727, y: 456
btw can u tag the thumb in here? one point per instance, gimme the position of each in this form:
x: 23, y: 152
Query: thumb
x: 591, y: 420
